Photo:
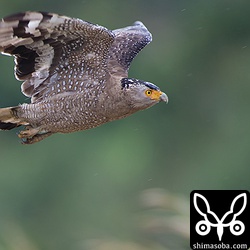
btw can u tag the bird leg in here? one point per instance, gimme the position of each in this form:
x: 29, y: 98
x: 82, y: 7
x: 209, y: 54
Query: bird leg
x: 32, y: 135
x: 29, y: 132
x: 35, y: 138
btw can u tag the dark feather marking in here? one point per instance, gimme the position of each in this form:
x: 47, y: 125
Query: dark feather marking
x: 126, y: 82
x: 19, y: 31
x: 8, y: 125
x: 25, y: 61
x: 17, y: 16
x: 46, y: 16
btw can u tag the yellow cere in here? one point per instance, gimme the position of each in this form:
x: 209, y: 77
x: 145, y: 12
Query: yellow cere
x: 153, y: 94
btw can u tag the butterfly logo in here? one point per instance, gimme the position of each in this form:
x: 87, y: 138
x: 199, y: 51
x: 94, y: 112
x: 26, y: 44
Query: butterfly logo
x: 203, y: 227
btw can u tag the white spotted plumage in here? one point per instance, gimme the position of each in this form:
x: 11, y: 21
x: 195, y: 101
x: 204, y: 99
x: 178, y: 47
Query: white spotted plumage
x: 72, y: 71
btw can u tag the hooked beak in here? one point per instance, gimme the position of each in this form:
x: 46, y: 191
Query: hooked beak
x: 157, y: 95
x: 164, y: 97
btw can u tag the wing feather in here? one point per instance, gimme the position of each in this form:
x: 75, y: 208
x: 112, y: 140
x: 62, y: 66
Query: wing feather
x: 129, y: 41
x: 50, y: 49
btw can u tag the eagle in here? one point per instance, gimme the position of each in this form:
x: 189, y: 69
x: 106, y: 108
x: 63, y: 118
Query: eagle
x: 74, y: 72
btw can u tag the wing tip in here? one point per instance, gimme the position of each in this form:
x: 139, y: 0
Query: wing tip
x: 144, y: 28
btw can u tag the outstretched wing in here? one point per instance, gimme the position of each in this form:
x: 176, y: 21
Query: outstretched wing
x: 129, y: 41
x: 53, y: 53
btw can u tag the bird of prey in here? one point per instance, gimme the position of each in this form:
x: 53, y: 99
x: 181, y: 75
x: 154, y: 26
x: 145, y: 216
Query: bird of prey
x: 75, y: 72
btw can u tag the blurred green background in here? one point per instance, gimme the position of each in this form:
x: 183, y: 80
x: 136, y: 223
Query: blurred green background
x: 126, y: 185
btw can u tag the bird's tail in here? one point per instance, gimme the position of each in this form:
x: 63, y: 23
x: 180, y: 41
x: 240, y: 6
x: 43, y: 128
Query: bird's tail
x: 8, y: 119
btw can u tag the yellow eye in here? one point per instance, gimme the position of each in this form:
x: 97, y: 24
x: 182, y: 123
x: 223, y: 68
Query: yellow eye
x: 148, y: 92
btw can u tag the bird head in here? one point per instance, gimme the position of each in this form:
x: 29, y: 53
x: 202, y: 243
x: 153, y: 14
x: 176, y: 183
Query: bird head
x: 142, y: 94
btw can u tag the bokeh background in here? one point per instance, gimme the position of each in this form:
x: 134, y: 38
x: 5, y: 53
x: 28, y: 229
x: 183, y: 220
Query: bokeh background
x: 126, y: 185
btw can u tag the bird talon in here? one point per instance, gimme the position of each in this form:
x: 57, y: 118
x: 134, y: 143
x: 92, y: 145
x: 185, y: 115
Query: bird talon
x: 28, y: 133
x: 35, y: 138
